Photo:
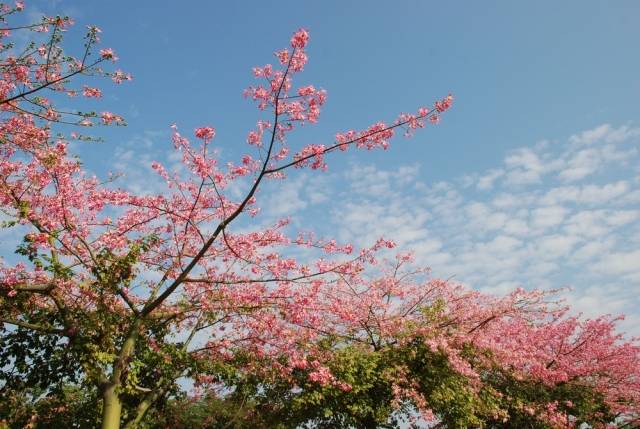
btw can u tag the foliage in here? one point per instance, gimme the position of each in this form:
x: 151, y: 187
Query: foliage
x: 71, y: 406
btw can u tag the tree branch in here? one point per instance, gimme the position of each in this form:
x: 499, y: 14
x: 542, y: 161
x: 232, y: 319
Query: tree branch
x: 180, y: 279
x: 49, y: 83
x: 33, y: 327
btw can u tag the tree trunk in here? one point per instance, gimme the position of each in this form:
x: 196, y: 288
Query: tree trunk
x: 112, y: 406
x: 111, y: 409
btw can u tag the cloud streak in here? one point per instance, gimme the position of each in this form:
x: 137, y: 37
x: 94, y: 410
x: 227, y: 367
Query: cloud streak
x: 552, y: 215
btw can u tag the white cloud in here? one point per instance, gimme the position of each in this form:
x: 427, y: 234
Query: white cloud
x: 524, y: 167
x: 555, y: 246
x: 592, y: 249
x: 587, y: 194
x: 547, y: 217
x: 585, y: 162
x: 620, y: 263
x: 527, y: 227
x: 580, y: 165
x: 486, y: 181
x: 591, y: 136
x: 606, y: 133
x: 289, y: 199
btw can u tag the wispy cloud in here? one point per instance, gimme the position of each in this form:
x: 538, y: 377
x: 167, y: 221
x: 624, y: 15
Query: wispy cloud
x: 554, y: 214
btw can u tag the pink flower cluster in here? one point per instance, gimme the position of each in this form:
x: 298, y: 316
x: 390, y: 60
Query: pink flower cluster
x: 108, y: 54
x: 109, y: 118
x: 91, y: 92
x: 119, y: 76
x: 300, y: 39
x: 311, y: 155
x: 205, y: 133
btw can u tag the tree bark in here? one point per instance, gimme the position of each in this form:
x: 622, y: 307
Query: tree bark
x: 111, y: 408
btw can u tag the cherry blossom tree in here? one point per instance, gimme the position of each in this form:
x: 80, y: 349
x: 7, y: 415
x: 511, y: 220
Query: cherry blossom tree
x: 126, y: 294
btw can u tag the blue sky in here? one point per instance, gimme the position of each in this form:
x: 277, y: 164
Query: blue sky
x: 531, y: 179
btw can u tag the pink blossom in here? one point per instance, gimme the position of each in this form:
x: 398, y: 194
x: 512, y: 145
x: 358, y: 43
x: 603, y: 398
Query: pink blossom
x: 254, y: 138
x: 108, y: 54
x: 322, y: 376
x: 283, y: 56
x: 298, y: 60
x: 109, y: 118
x: 345, y: 387
x: 306, y: 90
x: 300, y: 39
x: 205, y: 133
x: 91, y: 92
x: 119, y: 76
